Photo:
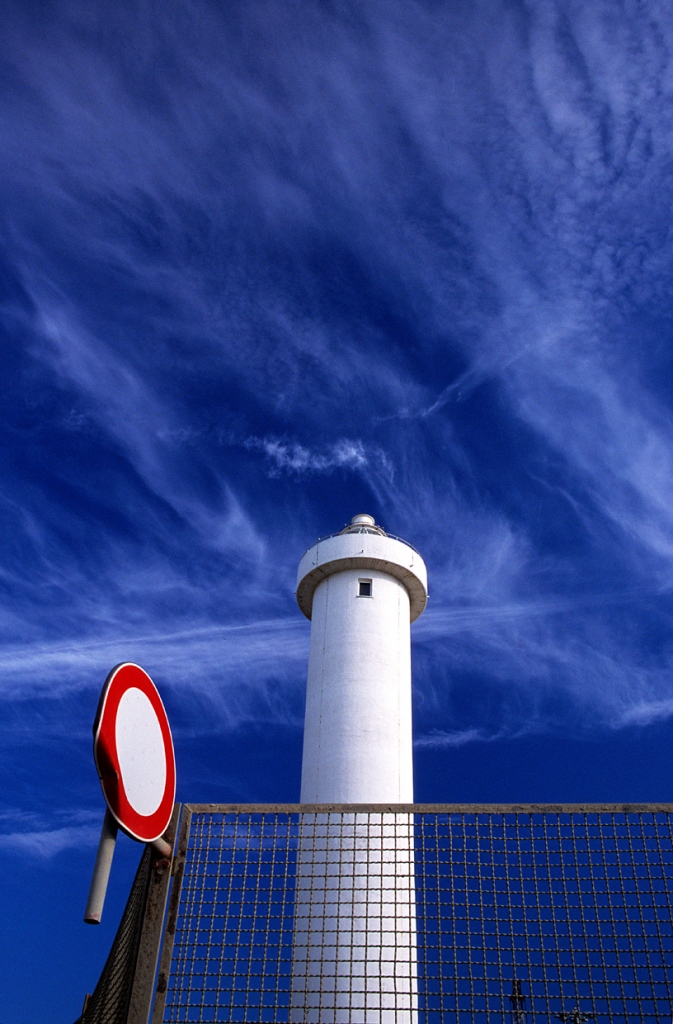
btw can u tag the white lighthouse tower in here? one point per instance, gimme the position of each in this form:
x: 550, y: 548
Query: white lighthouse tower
x: 361, y: 589
x: 355, y: 931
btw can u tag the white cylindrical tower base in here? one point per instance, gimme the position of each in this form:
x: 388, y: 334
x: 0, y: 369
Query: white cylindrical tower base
x: 355, y: 929
x: 354, y: 956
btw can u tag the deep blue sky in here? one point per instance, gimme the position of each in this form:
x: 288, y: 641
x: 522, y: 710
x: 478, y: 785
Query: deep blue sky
x: 265, y: 265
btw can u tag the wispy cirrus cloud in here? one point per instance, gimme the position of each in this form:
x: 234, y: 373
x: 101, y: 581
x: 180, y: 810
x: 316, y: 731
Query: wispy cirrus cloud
x: 246, y: 673
x: 43, y: 837
x: 418, y: 255
x: 47, y: 843
x: 291, y: 457
x: 445, y: 281
x: 438, y: 738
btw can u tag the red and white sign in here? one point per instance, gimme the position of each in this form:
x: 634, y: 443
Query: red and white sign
x: 133, y: 750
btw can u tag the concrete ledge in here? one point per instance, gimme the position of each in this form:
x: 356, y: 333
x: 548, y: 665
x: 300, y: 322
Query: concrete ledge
x: 581, y: 808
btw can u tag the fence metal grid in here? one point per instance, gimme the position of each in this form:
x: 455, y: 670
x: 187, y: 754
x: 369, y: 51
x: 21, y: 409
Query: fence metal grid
x: 111, y: 998
x: 442, y: 913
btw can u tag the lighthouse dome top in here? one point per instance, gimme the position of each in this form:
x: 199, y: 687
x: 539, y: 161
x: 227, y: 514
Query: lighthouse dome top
x: 362, y: 520
x: 363, y: 524
x: 363, y: 545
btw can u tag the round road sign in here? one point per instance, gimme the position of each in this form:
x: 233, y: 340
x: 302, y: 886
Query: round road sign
x: 133, y: 751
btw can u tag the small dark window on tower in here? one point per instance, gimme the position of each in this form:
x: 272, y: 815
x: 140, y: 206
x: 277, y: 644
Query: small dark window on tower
x: 364, y: 588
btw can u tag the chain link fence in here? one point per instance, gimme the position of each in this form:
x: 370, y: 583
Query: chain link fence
x: 111, y: 998
x: 125, y: 990
x: 371, y: 915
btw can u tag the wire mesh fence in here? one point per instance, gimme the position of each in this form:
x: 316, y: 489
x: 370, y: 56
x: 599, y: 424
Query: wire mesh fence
x: 353, y: 915
x: 111, y: 998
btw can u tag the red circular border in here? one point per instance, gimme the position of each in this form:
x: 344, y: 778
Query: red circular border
x: 144, y: 828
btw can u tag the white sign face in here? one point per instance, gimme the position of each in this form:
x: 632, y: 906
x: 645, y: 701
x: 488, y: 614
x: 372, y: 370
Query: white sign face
x: 140, y: 749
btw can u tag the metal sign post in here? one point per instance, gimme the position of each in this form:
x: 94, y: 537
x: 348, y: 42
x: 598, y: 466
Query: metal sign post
x: 101, y: 870
x: 135, y: 760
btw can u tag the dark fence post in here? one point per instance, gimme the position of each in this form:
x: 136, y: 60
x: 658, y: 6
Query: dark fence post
x: 177, y: 872
x: 142, y: 992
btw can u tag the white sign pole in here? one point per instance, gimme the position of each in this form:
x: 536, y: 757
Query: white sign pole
x: 101, y: 871
x: 163, y: 848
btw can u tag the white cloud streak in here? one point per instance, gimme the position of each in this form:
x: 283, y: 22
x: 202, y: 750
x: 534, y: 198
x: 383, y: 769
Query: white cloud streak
x: 438, y: 738
x: 38, y: 837
x: 292, y: 457
x: 219, y: 677
x: 46, y: 844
